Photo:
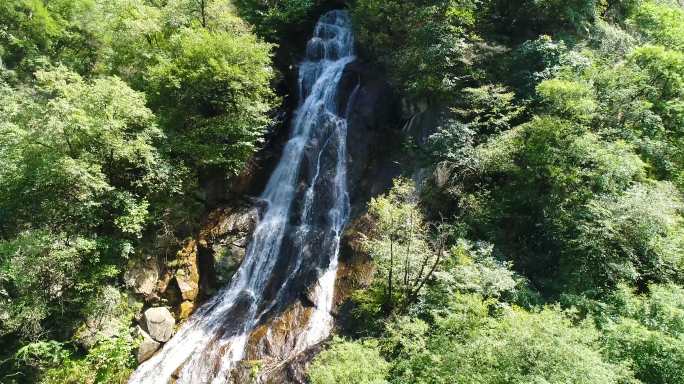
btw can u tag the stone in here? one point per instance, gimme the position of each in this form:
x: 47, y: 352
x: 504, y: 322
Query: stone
x: 159, y: 323
x: 187, y: 276
x: 308, y: 297
x: 188, y: 288
x: 142, y: 276
x: 227, y: 260
x: 147, y: 347
x: 185, y: 310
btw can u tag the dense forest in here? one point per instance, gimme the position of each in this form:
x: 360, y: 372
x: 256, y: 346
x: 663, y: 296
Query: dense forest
x: 535, y: 235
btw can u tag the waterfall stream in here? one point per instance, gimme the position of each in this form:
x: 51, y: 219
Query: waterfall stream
x: 295, y: 245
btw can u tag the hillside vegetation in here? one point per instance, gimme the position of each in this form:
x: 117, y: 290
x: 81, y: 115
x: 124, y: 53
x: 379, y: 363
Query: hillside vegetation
x: 547, y: 245
x: 536, y: 236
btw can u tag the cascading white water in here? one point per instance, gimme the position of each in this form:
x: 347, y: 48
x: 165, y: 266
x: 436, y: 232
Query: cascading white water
x: 293, y: 223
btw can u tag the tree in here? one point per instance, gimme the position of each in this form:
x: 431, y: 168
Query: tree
x: 660, y: 22
x: 635, y: 237
x: 427, y: 46
x: 488, y: 109
x: 637, y: 103
x: 567, y: 99
x: 274, y: 19
x: 541, y: 175
x: 80, y: 153
x: 400, y: 245
x: 34, y: 32
x: 525, y: 17
x: 213, y: 91
x: 644, y: 330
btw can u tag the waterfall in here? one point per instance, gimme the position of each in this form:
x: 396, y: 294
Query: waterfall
x: 295, y: 245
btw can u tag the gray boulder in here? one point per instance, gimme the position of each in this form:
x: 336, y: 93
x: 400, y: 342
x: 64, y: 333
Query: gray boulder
x: 159, y: 323
x: 141, y: 276
x: 147, y: 347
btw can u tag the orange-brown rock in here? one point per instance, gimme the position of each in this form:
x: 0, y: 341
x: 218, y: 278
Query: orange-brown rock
x: 187, y: 274
x: 185, y: 309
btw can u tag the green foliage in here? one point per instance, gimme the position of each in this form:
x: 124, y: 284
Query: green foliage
x: 540, y: 59
x: 427, y: 46
x: 523, y: 17
x: 206, y: 76
x: 530, y: 347
x: 348, y: 362
x: 47, y: 278
x: 453, y: 143
x: 273, y: 18
x: 33, y: 31
x: 488, y: 109
x: 468, y: 346
x: 664, y: 67
x: 609, y: 40
x: 472, y: 268
x: 77, y: 154
x: 570, y: 100
x: 643, y: 330
x: 110, y: 361
x: 91, y: 167
x: 655, y: 357
x: 217, y: 85
x: 634, y: 237
x: 552, y: 167
x: 399, y: 245
x: 559, y: 171
x: 566, y: 189
x: 631, y: 107
x: 660, y: 22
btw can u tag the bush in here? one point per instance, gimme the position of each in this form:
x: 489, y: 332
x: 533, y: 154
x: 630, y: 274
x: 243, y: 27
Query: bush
x: 635, y: 237
x: 468, y: 346
x: 524, y: 17
x: 348, y: 362
x: 567, y: 99
x: 646, y: 331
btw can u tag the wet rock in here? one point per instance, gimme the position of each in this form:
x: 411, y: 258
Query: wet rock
x: 374, y: 122
x: 308, y: 298
x: 356, y: 271
x: 185, y: 309
x: 147, y: 347
x: 225, y: 238
x: 180, y: 280
x: 159, y: 323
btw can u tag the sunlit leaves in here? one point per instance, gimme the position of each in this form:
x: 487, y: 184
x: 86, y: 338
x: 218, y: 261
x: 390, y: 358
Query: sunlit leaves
x: 349, y: 362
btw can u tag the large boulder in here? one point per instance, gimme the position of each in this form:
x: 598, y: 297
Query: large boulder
x: 188, y: 285
x: 147, y: 347
x: 225, y: 238
x: 187, y: 274
x: 159, y: 323
x: 141, y: 276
